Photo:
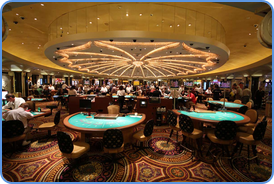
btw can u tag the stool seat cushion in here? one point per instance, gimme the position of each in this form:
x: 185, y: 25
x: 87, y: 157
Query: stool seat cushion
x: 140, y: 136
x: 214, y: 139
x: 116, y: 150
x: 246, y: 138
x: 196, y: 134
x: 79, y: 148
x: 47, y: 125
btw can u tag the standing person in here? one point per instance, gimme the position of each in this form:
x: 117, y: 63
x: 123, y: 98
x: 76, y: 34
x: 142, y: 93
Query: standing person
x: 192, y: 100
x: 114, y: 89
x: 46, y: 92
x: 239, y: 93
x: 199, y: 91
x: 156, y: 93
x: 72, y: 91
x: 128, y: 89
x: 259, y: 97
x: 121, y: 97
x: 208, y: 91
x: 246, y: 95
x: 13, y: 102
x: 104, y: 89
x: 181, y: 89
x: 51, y: 87
x: 216, y: 92
x: 22, y: 115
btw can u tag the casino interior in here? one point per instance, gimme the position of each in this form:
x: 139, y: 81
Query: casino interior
x: 143, y: 92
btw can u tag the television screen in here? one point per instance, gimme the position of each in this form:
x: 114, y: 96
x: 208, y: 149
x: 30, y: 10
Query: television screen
x: 174, y: 83
x: 225, y: 84
x: 143, y: 103
x: 85, y: 104
x: 4, y: 94
x: 188, y: 84
x: 86, y: 82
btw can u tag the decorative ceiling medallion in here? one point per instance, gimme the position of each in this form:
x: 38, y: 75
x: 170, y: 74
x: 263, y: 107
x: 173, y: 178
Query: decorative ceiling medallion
x: 126, y: 63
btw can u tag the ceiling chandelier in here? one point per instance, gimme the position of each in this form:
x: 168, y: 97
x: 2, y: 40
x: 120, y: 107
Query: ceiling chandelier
x: 155, y: 60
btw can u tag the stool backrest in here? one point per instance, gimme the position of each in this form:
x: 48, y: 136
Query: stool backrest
x: 64, y: 142
x: 148, y: 130
x: 252, y: 114
x: 243, y: 109
x: 113, y: 138
x: 186, y: 123
x: 260, y: 129
x: 12, y: 128
x: 226, y: 130
x: 57, y: 117
x: 171, y: 118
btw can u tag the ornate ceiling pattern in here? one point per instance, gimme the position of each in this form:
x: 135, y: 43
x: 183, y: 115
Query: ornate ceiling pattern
x: 157, y: 60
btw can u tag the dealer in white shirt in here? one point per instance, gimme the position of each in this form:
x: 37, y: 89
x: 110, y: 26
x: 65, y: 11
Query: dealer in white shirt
x: 13, y: 102
x: 22, y: 115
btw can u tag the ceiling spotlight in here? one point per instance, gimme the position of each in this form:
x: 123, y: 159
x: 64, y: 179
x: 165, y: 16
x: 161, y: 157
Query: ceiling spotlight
x: 42, y: 5
x: 127, y: 14
x: 22, y: 43
x: 191, y: 44
x: 178, y: 25
x: 38, y: 47
x: 17, y: 14
x: 98, y: 18
x: 151, y: 14
x: 61, y: 28
x: 207, y: 47
x: 163, y: 21
x: 249, y: 34
x: 189, y: 24
x: 35, y: 18
x: 157, y: 25
x: 58, y: 48
x: 90, y: 22
x: 67, y: 32
x: 141, y: 14
x: 9, y: 29
x: 170, y: 26
x: 72, y: 44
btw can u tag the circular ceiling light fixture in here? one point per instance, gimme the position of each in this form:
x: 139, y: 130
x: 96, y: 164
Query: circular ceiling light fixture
x: 138, y: 63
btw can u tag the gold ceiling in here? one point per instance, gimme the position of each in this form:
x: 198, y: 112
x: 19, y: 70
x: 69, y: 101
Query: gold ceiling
x: 27, y: 38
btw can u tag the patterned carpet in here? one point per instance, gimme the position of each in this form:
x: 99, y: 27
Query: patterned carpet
x: 42, y: 162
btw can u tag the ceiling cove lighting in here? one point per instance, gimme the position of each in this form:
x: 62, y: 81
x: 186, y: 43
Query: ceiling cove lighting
x: 127, y: 64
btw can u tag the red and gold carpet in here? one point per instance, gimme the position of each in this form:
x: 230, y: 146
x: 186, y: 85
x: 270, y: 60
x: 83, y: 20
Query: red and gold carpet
x: 42, y: 162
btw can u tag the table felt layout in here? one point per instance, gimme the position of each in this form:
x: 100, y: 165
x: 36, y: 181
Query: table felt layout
x: 218, y: 116
x: 227, y: 104
x: 34, y: 113
x: 80, y: 120
x: 127, y: 96
x: 37, y: 99
x: 179, y: 98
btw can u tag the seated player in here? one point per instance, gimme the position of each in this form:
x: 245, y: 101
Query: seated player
x: 22, y: 115
x: 192, y: 100
x: 13, y: 102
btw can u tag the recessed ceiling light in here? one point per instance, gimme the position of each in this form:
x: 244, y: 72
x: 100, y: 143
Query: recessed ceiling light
x: 61, y: 28
x: 22, y: 43
x: 16, y: 14
x: 178, y: 25
x: 249, y: 34
x: 127, y: 14
x: 9, y: 29
x: 35, y: 18
x: 170, y: 26
x: 90, y: 22
x: 98, y: 18
x: 163, y: 20
x: 67, y: 32
x: 42, y: 5
x: 189, y: 24
x: 38, y: 47
x: 257, y: 29
x: 72, y: 44
x: 141, y: 14
x: 151, y: 14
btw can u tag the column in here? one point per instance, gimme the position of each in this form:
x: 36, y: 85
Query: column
x: 11, y: 74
